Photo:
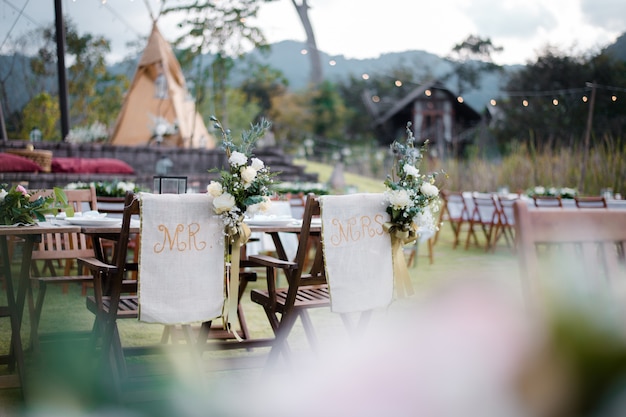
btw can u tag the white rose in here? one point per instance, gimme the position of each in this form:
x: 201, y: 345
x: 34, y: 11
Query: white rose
x: 248, y: 174
x: 237, y: 158
x: 257, y: 164
x: 410, y: 170
x: 214, y: 188
x: 399, y: 199
x: 223, y: 203
x: 429, y: 190
x: 3, y: 193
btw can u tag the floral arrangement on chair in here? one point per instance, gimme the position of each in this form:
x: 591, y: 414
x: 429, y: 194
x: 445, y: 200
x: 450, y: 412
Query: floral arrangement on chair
x: 246, y: 187
x: 412, y: 199
x: 18, y: 208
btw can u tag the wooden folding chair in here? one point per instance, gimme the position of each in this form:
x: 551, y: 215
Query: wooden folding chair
x: 307, y: 288
x: 456, y: 212
x: 590, y: 202
x: 505, y: 229
x: 586, y: 251
x: 117, y: 296
x: 63, y: 248
x: 486, y: 215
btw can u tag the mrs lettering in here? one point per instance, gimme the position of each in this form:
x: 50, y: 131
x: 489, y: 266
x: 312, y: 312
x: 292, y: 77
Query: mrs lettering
x: 184, y: 238
x: 355, y: 229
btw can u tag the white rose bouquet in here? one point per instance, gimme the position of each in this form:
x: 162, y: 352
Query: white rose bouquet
x: 247, y: 184
x: 412, y: 197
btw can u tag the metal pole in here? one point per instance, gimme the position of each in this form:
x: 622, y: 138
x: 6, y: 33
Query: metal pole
x: 583, y: 169
x: 3, y: 128
x: 60, y: 39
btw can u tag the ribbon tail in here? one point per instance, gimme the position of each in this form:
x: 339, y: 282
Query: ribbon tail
x: 233, y: 288
x: 402, y: 279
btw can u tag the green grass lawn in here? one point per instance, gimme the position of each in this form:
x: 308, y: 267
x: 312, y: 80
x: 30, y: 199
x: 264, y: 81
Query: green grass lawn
x: 68, y: 311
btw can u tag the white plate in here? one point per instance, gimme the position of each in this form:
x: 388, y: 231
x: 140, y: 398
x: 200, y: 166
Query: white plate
x: 93, y: 221
x: 270, y: 222
x: 16, y: 225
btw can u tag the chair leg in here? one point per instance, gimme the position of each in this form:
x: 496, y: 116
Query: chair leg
x: 35, y: 312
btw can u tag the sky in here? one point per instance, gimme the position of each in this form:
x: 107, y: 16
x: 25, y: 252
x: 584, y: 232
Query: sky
x: 361, y: 28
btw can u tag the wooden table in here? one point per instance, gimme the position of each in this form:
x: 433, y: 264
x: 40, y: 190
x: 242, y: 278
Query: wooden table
x: 14, y: 309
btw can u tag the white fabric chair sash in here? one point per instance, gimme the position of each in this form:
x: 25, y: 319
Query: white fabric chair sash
x: 181, y: 263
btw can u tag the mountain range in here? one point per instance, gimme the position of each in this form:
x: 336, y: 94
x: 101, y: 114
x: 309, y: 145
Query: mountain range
x: 287, y: 57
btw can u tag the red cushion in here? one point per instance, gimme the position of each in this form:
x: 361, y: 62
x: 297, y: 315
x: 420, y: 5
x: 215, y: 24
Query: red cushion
x: 65, y: 165
x: 15, y: 163
x: 91, y: 165
x: 112, y: 166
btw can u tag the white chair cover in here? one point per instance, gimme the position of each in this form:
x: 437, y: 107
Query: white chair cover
x: 181, y: 263
x: 357, y: 252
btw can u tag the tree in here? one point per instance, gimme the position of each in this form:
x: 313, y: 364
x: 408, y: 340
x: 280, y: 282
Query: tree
x: 470, y: 58
x: 42, y: 112
x: 262, y: 84
x: 94, y: 93
x: 547, y: 108
x: 221, y: 28
x: 317, y: 74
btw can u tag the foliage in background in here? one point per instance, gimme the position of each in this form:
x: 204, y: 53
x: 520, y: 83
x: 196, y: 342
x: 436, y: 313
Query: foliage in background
x: 557, y: 76
x: 526, y: 167
x: 114, y: 188
x: 42, y: 112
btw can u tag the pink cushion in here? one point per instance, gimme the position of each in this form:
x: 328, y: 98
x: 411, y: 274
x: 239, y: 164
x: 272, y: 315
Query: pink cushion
x: 15, y: 163
x: 91, y: 165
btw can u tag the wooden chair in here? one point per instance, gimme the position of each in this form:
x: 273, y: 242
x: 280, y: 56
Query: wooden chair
x: 505, y: 229
x: 586, y: 251
x: 116, y: 297
x: 63, y: 248
x: 456, y: 212
x: 590, y: 202
x: 547, y: 201
x: 486, y: 215
x: 307, y: 288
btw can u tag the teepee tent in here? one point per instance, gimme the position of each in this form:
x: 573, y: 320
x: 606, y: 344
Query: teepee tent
x: 157, y: 107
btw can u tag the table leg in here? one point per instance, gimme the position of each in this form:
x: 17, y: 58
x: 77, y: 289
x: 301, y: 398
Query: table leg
x: 14, y: 310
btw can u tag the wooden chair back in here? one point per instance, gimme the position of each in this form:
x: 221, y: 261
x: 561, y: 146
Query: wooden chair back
x: 582, y: 249
x: 506, y: 226
x: 486, y: 215
x: 590, y: 202
x: 306, y: 279
x: 547, y: 201
x: 61, y: 249
x: 456, y: 212
x: 82, y: 199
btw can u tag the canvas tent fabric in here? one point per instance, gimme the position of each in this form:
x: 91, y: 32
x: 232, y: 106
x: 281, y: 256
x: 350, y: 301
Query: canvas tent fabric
x: 143, y: 107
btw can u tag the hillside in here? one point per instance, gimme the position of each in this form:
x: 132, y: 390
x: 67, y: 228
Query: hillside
x: 287, y: 57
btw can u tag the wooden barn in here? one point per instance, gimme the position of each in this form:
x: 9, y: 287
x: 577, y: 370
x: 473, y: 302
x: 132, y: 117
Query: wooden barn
x: 437, y: 115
